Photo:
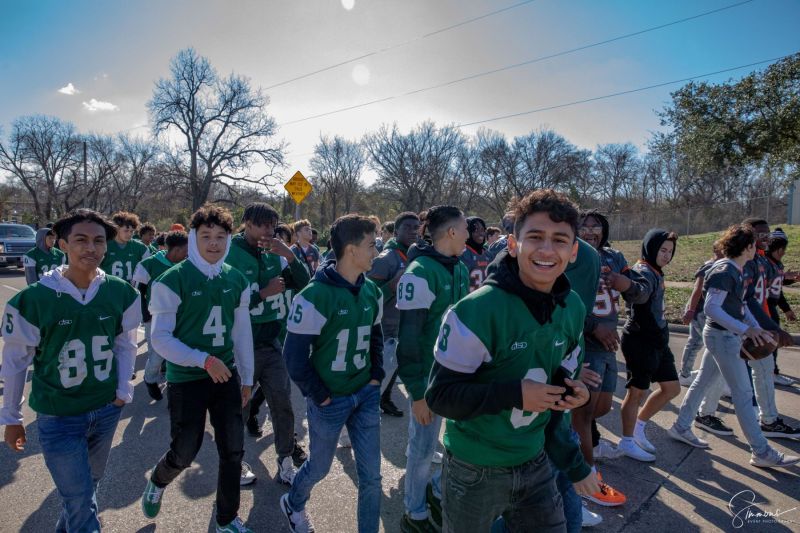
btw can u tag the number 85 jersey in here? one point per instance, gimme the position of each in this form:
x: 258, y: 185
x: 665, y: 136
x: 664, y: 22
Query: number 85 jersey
x: 72, y: 339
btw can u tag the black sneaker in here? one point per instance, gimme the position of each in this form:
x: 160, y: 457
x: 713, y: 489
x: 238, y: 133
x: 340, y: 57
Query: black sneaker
x: 779, y: 429
x: 409, y: 525
x: 434, y: 507
x: 154, y: 390
x: 299, y: 455
x: 253, y: 427
x: 388, y: 407
x: 712, y: 424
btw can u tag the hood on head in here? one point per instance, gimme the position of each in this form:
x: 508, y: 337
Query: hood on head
x: 211, y: 270
x: 603, y: 222
x: 651, y: 243
x: 41, y: 234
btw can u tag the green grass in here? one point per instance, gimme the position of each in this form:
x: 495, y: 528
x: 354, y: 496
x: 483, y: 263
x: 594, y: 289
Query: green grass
x: 694, y: 250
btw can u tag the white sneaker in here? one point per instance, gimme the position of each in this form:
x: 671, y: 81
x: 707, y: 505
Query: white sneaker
x: 437, y: 457
x: 773, y: 459
x: 687, y: 437
x: 344, y: 439
x: 286, y: 471
x: 606, y: 450
x: 299, y: 522
x: 247, y: 476
x: 590, y: 519
x: 632, y: 450
x: 686, y: 380
x: 641, y: 440
x: 783, y: 381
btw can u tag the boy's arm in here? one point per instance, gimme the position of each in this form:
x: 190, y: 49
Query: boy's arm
x: 295, y: 274
x: 303, y: 325
x: 20, y: 339
x: 414, y: 299
x: 562, y: 448
x: 164, y: 308
x: 376, y: 345
x: 124, y: 350
x: 242, y: 335
x: 30, y: 273
x: 783, y: 305
x: 642, y: 286
x: 452, y: 391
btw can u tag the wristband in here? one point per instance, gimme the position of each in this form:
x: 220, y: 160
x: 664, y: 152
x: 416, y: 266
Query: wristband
x: 209, y: 361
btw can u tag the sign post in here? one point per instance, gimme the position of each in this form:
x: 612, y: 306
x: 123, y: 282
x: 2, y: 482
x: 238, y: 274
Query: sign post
x: 298, y: 188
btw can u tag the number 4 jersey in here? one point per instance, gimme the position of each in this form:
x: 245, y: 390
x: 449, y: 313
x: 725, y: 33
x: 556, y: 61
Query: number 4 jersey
x: 341, y: 322
x: 76, y: 343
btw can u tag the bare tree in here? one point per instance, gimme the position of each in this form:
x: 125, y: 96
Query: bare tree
x: 337, y: 165
x: 546, y: 160
x: 43, y: 154
x: 617, y: 168
x: 222, y: 123
x: 497, y: 164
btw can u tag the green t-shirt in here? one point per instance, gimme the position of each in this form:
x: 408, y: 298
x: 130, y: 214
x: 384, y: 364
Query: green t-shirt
x: 342, y: 326
x: 74, y: 369
x: 204, y: 319
x: 492, y: 335
x: 42, y: 261
x: 121, y: 260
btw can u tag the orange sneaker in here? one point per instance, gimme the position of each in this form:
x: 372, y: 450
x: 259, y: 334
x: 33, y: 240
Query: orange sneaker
x: 607, y: 496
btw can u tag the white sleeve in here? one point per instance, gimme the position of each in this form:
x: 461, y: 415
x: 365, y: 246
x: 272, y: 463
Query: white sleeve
x: 379, y: 316
x: 125, y: 347
x: 458, y: 348
x: 304, y: 319
x: 284, y: 263
x: 20, y: 339
x: 242, y: 334
x: 713, y: 308
x: 140, y: 275
x: 163, y: 306
x: 146, y: 253
x: 28, y: 261
x: 413, y: 292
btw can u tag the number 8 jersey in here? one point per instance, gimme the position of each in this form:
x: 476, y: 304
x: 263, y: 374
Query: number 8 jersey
x: 341, y: 322
x: 72, y: 339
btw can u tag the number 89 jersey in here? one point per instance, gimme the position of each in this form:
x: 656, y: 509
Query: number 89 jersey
x: 342, y: 325
x: 74, y: 369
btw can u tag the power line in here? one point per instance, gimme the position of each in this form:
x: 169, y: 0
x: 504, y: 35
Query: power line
x: 399, y: 45
x: 516, y: 65
x: 620, y: 93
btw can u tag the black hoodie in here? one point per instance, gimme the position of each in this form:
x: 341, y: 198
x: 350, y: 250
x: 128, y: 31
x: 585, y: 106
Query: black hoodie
x: 648, y: 317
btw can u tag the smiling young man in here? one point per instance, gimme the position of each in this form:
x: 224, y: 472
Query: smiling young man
x: 124, y: 252
x: 270, y: 268
x: 334, y: 353
x: 434, y: 280
x: 201, y: 326
x: 495, y: 374
x: 475, y: 255
x: 78, y: 327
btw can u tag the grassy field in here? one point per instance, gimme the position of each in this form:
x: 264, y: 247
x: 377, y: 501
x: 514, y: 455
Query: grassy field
x: 694, y: 250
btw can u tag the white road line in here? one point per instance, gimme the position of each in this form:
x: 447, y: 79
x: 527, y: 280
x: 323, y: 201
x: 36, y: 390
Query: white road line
x: 12, y: 288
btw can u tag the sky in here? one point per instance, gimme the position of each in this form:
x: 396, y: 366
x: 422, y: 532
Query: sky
x: 95, y: 63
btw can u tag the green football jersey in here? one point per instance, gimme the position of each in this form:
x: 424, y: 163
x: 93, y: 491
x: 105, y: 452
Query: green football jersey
x: 204, y: 319
x: 121, y: 260
x: 74, y: 368
x: 259, y: 271
x: 153, y: 267
x: 491, y: 335
x: 427, y: 284
x: 342, y: 326
x: 43, y: 261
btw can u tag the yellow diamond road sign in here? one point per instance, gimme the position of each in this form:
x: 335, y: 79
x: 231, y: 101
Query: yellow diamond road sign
x: 298, y: 187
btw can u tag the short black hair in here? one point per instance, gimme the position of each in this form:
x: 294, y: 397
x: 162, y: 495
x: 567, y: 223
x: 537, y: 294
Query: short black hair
x: 176, y: 238
x: 402, y: 217
x: 314, y: 232
x: 161, y: 240
x: 260, y: 214
x: 147, y: 228
x: 211, y: 214
x: 388, y: 226
x: 439, y: 217
x: 557, y: 206
x: 755, y: 221
x: 63, y: 226
x: 284, y: 230
x: 736, y: 239
x: 350, y: 229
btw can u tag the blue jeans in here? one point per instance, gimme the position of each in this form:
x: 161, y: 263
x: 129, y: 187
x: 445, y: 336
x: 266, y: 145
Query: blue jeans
x: 722, y: 356
x: 361, y: 414
x: 693, y: 344
x: 419, y: 453
x: 75, y: 450
x: 764, y: 387
x: 152, y: 366
x: 573, y: 506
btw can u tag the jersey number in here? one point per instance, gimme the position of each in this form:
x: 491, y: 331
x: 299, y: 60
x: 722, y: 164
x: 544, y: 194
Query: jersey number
x: 477, y: 278
x: 362, y: 348
x: 215, y: 327
x: 606, y: 302
x: 405, y: 291
x: 72, y: 361
x: 118, y: 268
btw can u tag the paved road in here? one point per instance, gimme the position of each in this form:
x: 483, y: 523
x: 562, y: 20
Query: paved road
x: 684, y: 490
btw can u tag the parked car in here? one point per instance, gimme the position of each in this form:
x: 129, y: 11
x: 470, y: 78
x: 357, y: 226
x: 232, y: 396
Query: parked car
x: 15, y: 240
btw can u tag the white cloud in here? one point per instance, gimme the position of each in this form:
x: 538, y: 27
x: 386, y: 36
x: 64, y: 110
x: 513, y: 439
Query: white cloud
x: 69, y: 89
x: 97, y: 105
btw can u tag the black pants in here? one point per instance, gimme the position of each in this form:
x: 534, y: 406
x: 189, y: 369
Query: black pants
x: 188, y: 403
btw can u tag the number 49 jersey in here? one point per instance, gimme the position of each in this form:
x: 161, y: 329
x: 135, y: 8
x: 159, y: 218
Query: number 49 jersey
x: 74, y: 369
x: 121, y: 261
x: 342, y: 326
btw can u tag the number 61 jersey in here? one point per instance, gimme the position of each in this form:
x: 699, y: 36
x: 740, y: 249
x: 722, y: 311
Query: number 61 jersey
x: 74, y: 368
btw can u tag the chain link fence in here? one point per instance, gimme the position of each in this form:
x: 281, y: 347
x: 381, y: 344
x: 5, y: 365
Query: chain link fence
x: 632, y: 225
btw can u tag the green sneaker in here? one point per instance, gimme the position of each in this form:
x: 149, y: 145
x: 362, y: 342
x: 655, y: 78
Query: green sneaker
x: 236, y: 526
x: 409, y: 525
x: 151, y: 500
x: 434, y: 507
